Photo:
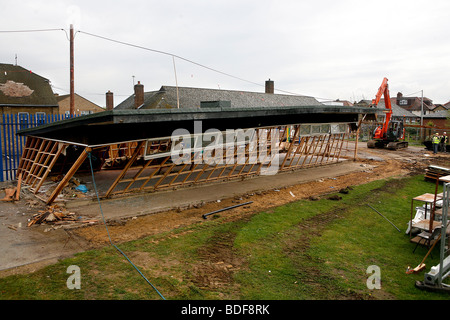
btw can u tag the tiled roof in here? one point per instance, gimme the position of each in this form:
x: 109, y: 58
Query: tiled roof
x: 397, y: 111
x: 166, y: 97
x: 19, y: 86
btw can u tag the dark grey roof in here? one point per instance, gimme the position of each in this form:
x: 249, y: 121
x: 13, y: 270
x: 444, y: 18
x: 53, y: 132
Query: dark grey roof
x: 397, y: 111
x: 442, y: 114
x: 166, y: 97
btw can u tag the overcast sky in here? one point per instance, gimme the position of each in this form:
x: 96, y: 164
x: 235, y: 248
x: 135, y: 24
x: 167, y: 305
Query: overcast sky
x: 328, y: 49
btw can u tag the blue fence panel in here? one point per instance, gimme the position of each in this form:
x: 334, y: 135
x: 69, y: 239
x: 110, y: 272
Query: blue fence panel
x: 11, y: 144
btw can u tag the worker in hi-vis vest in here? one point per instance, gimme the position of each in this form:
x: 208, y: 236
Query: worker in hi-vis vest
x: 435, y: 142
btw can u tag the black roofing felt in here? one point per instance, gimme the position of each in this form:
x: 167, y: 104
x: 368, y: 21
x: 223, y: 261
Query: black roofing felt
x: 117, y: 126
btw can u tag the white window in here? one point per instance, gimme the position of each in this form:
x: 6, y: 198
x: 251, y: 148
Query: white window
x: 324, y: 128
x: 23, y: 119
x: 40, y: 118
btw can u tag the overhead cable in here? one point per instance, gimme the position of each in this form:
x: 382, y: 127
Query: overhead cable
x: 160, y: 52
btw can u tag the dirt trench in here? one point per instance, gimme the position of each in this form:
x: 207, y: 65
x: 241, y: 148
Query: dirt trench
x: 135, y: 228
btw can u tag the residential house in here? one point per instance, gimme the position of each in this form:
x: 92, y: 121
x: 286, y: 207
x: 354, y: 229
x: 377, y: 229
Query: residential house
x: 24, y: 93
x: 447, y: 105
x: 438, y: 107
x: 82, y: 105
x: 185, y: 97
x: 414, y: 104
x: 437, y: 119
x: 338, y: 102
x: 441, y: 107
x: 398, y: 113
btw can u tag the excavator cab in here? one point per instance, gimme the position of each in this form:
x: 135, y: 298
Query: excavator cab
x: 395, y: 131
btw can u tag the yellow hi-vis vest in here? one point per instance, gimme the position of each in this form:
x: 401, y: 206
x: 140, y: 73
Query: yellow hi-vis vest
x: 436, y: 140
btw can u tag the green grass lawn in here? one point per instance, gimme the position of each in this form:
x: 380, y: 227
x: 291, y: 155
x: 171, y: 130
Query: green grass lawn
x: 303, y: 250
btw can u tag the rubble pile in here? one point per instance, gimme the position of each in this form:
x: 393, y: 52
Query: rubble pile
x: 55, y: 215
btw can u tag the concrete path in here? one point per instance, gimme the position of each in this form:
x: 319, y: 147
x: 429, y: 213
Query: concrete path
x: 21, y: 245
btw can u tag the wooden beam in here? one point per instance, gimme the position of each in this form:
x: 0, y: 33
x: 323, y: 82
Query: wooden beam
x: 291, y: 145
x: 125, y: 169
x: 69, y: 175
x: 19, y: 185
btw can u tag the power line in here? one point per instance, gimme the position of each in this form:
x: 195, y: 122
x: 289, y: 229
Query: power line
x: 184, y: 59
x: 156, y: 51
x: 34, y: 30
x: 413, y: 93
x: 169, y: 54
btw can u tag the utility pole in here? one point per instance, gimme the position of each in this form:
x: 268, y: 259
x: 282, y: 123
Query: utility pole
x: 72, y: 94
x: 421, y: 118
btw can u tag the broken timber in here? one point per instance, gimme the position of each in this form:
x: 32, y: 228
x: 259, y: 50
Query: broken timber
x: 289, y: 138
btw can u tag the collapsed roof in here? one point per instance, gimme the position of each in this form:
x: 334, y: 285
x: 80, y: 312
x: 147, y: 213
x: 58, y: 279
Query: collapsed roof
x: 118, y: 126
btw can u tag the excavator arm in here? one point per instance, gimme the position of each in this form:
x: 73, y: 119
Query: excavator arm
x: 383, y: 91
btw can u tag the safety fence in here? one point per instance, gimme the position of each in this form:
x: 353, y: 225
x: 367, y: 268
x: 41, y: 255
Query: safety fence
x: 11, y: 144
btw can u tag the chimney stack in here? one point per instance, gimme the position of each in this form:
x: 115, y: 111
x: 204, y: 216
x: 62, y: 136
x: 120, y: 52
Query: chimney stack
x: 109, y: 100
x: 138, y: 95
x: 270, y: 87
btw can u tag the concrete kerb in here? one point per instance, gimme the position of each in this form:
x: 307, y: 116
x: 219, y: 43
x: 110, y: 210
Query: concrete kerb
x: 134, y: 205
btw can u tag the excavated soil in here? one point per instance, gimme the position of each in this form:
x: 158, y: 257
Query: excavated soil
x: 135, y: 228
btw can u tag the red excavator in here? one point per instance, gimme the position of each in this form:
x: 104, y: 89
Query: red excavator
x: 390, y: 134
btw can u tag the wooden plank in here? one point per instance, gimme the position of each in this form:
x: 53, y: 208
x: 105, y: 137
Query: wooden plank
x: 154, y: 173
x: 125, y: 169
x: 291, y: 145
x: 137, y: 175
x: 19, y: 184
x: 69, y: 175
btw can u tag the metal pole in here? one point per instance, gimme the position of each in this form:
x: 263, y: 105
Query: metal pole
x: 443, y: 230
x: 176, y: 81
x: 421, y: 118
x: 72, y: 103
x: 384, y: 217
x: 227, y: 208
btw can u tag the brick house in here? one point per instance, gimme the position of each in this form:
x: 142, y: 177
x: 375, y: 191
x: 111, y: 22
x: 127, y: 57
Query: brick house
x: 414, y: 104
x: 437, y: 119
x: 82, y: 105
